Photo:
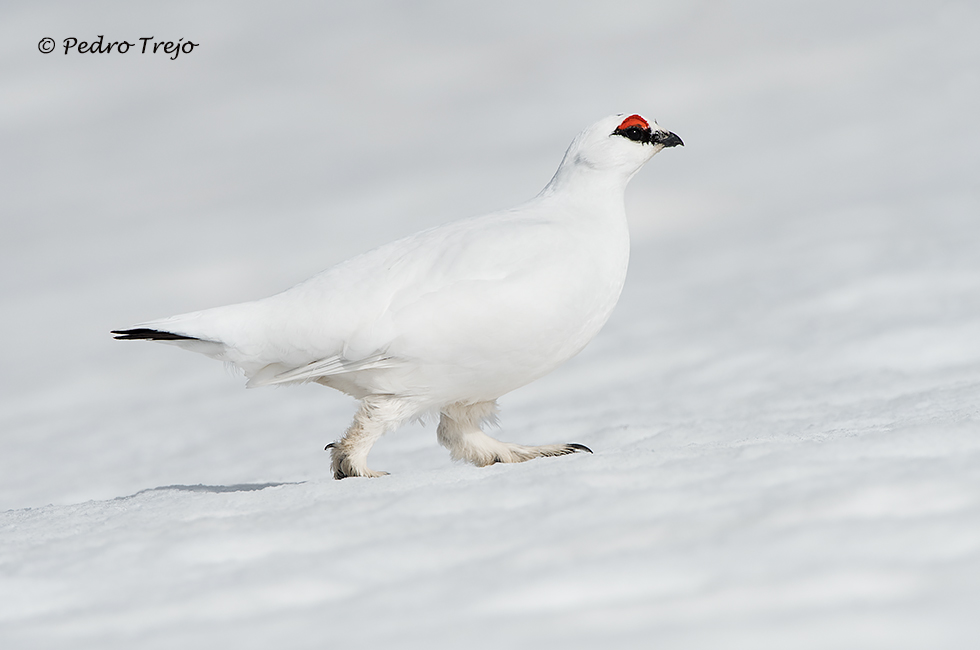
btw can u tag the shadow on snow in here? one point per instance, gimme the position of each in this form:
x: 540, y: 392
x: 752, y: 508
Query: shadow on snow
x: 239, y: 487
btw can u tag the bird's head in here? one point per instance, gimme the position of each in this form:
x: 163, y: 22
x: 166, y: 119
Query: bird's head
x: 619, y: 143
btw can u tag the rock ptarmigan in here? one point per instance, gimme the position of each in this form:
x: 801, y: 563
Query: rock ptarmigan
x: 451, y: 318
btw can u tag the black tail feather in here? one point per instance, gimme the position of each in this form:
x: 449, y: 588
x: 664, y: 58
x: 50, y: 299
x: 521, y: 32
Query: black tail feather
x: 142, y: 333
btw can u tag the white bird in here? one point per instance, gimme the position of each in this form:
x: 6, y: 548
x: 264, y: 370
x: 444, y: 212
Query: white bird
x: 451, y: 318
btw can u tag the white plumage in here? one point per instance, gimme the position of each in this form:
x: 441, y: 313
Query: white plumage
x: 451, y: 318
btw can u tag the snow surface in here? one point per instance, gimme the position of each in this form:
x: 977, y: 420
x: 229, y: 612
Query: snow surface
x: 784, y: 407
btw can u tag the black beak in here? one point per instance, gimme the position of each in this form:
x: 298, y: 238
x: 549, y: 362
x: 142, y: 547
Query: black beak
x: 667, y: 139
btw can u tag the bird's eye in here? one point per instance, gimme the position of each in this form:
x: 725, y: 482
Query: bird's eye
x: 635, y: 133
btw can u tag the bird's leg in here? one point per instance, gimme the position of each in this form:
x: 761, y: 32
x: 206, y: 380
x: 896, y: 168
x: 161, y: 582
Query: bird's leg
x: 376, y: 416
x: 459, y: 432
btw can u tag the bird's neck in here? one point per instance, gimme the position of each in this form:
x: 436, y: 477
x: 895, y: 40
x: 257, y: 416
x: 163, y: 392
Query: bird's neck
x: 587, y: 187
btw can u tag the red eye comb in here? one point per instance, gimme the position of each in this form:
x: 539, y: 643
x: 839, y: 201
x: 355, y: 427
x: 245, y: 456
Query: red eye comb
x: 633, y: 120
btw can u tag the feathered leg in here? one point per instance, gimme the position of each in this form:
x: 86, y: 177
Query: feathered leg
x: 459, y: 432
x: 376, y: 416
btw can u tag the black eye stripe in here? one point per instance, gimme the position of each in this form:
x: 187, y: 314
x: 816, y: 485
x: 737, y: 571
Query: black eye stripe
x: 635, y: 133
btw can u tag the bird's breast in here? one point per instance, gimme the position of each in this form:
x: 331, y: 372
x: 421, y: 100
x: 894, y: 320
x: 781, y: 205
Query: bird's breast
x: 515, y: 315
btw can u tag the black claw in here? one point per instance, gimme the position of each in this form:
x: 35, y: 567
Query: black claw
x: 330, y: 446
x: 578, y: 447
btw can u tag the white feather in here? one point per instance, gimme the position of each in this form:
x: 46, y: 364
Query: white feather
x: 464, y: 312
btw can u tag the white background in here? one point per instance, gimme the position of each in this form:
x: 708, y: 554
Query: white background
x: 784, y: 407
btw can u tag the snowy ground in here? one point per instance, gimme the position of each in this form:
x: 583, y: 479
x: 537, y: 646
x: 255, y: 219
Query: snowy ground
x: 785, y: 408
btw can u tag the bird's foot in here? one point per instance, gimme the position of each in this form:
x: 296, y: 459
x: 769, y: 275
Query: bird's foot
x: 459, y: 432
x: 513, y: 453
x: 346, y: 465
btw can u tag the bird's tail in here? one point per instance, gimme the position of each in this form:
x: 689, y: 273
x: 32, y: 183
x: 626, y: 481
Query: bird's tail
x: 209, y: 332
x: 201, y: 345
x: 146, y: 334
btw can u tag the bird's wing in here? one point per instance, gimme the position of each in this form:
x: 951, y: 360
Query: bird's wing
x: 336, y: 365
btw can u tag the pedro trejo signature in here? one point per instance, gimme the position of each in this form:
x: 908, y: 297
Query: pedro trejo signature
x: 148, y: 45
